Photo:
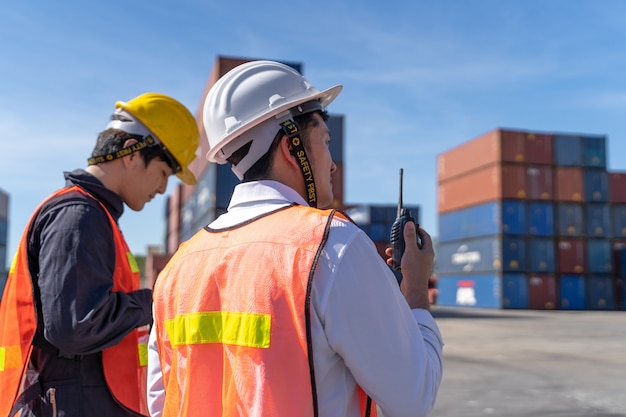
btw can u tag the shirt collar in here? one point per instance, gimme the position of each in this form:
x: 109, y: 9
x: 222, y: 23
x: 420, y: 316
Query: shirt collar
x: 263, y: 192
x: 252, y: 199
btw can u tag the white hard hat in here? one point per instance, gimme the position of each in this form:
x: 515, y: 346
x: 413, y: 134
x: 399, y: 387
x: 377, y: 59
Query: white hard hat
x: 248, y: 104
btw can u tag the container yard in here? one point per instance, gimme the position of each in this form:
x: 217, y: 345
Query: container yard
x: 531, y: 220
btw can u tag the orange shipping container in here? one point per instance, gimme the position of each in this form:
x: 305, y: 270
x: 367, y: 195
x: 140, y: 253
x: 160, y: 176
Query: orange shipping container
x: 568, y: 184
x: 494, y: 182
x: 498, y: 145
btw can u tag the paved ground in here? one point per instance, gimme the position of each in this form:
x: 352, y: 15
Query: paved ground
x: 531, y: 363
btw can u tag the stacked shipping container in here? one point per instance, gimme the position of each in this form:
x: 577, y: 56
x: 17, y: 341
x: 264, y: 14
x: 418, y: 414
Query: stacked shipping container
x: 531, y: 220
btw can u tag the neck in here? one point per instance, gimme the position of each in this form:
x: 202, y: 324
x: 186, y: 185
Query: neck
x: 107, y: 174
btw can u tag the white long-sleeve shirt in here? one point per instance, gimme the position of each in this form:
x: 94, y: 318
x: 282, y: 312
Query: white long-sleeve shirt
x: 363, y: 330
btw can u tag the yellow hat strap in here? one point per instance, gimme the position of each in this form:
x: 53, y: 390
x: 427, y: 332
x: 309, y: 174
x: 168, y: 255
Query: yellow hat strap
x: 290, y: 128
x: 142, y: 143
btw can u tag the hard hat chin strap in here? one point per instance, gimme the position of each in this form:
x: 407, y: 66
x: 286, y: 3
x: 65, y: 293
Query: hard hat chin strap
x: 142, y: 143
x: 297, y: 150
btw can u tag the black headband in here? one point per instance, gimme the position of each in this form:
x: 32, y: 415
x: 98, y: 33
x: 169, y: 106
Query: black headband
x: 297, y: 150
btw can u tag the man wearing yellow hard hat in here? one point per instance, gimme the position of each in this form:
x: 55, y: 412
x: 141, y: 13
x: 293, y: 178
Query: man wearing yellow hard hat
x: 73, y: 315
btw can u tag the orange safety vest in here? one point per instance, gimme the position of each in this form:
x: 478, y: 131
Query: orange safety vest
x: 125, y: 364
x: 232, y: 314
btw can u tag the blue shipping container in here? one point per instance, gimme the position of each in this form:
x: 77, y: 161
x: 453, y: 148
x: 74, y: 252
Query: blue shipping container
x: 540, y: 219
x: 514, y: 291
x: 470, y: 290
x: 596, y: 185
x: 485, y: 254
x: 570, y: 219
x: 568, y: 150
x: 472, y: 255
x: 594, y: 151
x: 335, y: 127
x: 225, y: 183
x: 378, y: 231
x: 541, y: 255
x: 598, y: 220
x: 599, y: 256
x: 475, y: 221
x: 3, y: 235
x: 369, y: 213
x: 492, y: 218
x: 513, y: 217
x: 618, y: 220
x: 514, y: 254
x: 600, y: 289
x: 573, y: 292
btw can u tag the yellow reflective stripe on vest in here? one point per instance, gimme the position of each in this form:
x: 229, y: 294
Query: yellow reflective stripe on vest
x: 10, y: 357
x: 242, y: 329
x: 133, y: 262
x: 13, y: 264
x: 142, y: 349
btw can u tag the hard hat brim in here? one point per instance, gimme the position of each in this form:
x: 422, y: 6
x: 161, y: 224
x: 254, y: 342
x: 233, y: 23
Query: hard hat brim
x: 186, y: 176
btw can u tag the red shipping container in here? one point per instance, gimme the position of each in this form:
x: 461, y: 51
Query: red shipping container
x: 514, y: 181
x: 616, y: 246
x: 539, y: 149
x: 512, y: 146
x: 617, y: 187
x: 571, y: 255
x: 618, y: 292
x: 492, y: 147
x: 542, y: 292
x: 568, y: 184
x: 491, y: 183
x: 539, y: 182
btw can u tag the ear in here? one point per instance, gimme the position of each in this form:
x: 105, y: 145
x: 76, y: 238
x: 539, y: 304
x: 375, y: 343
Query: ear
x: 129, y: 143
x: 284, y: 149
x: 129, y: 158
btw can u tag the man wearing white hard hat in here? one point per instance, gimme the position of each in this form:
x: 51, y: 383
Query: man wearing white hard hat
x: 278, y: 307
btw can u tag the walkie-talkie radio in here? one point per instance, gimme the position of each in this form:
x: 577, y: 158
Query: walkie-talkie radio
x: 397, y: 230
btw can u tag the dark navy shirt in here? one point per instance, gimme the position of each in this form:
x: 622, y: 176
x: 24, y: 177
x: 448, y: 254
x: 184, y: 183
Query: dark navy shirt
x: 71, y: 254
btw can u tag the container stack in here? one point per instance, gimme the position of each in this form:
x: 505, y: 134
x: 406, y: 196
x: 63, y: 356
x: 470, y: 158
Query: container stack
x: 531, y: 221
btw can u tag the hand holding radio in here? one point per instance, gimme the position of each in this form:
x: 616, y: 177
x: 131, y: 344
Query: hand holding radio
x: 412, y: 253
x: 397, y: 231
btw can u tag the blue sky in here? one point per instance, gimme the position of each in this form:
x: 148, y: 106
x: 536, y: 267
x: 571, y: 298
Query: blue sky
x: 420, y: 77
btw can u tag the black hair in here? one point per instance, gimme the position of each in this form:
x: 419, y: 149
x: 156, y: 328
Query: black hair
x: 261, y: 168
x: 112, y: 140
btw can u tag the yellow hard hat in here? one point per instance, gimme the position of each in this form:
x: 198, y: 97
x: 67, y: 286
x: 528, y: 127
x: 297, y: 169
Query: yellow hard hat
x: 172, y: 124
